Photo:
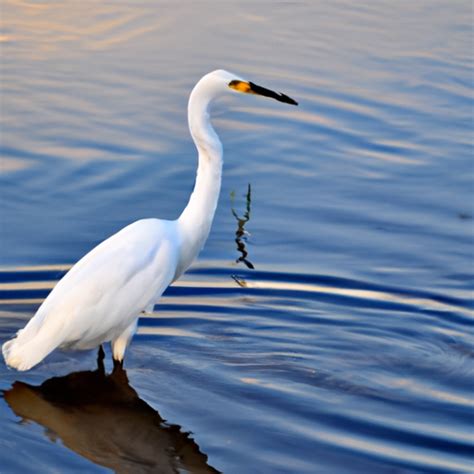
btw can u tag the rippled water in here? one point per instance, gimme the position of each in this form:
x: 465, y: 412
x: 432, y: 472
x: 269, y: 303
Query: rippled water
x: 348, y: 347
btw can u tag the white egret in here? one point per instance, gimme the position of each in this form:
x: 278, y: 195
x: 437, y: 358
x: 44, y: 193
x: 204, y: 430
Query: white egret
x: 101, y: 297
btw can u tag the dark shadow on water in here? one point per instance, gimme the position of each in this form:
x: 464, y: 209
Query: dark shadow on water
x: 102, y: 418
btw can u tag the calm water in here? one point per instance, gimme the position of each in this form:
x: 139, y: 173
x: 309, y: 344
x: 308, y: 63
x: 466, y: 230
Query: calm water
x: 349, y: 346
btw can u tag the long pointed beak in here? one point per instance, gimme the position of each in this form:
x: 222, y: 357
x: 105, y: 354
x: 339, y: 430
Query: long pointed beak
x: 251, y: 88
x: 259, y: 90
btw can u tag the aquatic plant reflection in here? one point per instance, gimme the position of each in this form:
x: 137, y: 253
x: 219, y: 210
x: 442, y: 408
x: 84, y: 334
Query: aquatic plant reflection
x: 241, y: 234
x: 102, y: 418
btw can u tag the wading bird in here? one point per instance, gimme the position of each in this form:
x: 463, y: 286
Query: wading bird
x: 101, y: 297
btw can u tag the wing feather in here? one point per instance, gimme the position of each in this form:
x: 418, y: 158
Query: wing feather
x: 108, y: 287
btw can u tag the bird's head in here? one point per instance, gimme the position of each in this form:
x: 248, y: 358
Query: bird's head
x: 219, y: 82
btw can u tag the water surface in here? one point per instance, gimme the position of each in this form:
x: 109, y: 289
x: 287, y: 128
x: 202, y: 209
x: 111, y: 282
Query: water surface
x: 348, y: 346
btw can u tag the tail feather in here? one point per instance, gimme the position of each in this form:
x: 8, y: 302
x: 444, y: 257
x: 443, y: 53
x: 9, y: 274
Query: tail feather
x: 23, y: 355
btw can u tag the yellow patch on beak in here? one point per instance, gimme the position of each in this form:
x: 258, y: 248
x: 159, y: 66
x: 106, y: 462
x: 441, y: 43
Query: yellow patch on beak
x: 241, y: 86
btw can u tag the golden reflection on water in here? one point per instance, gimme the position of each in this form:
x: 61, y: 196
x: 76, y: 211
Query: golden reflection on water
x: 37, y: 268
x: 28, y: 285
x: 425, y: 390
x: 9, y: 165
x: 47, y: 27
x: 278, y: 387
x: 102, y: 418
x: 168, y: 331
x: 365, y: 294
x: 378, y: 448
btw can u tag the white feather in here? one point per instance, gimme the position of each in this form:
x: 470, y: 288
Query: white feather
x: 102, y: 296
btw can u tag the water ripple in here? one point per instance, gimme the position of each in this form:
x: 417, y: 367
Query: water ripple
x: 373, y: 356
x: 358, y: 357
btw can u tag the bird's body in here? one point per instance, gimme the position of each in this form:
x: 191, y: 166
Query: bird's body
x: 101, y: 297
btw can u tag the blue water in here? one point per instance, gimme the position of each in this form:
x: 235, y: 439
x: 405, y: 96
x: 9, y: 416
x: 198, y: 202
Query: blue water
x: 349, y: 346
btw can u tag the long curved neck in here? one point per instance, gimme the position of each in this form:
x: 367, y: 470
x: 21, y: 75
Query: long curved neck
x: 195, y: 221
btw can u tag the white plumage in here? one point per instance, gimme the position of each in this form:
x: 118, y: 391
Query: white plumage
x: 101, y: 297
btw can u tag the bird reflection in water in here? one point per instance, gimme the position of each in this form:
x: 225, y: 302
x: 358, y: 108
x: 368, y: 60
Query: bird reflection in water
x: 241, y: 234
x: 102, y: 418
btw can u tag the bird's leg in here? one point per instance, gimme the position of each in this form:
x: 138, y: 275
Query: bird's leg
x: 100, y: 359
x: 118, y: 365
x: 119, y: 345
